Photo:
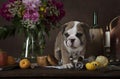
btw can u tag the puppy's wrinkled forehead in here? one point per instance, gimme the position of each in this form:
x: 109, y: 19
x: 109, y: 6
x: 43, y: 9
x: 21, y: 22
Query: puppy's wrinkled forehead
x: 73, y: 25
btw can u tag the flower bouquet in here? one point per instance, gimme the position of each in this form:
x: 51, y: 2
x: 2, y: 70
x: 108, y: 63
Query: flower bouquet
x: 34, y: 18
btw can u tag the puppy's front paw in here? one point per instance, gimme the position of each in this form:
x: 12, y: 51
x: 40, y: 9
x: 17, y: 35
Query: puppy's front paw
x: 69, y: 65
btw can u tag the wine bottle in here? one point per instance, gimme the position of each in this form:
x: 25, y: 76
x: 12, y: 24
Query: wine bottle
x: 95, y: 19
x: 96, y: 34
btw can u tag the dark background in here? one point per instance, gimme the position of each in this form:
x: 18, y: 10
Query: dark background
x: 81, y: 10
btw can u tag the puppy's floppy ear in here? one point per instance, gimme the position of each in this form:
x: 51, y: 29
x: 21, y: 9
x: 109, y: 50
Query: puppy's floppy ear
x: 63, y: 27
x: 86, y: 29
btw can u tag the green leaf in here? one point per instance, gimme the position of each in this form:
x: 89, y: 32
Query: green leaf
x: 6, y: 31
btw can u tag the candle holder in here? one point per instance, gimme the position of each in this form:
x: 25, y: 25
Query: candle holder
x: 107, y: 46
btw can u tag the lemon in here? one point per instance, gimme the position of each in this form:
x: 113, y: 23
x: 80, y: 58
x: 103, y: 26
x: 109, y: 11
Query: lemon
x: 90, y: 66
x: 96, y: 64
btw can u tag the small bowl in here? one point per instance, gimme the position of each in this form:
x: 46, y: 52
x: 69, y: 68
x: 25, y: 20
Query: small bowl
x: 42, y: 60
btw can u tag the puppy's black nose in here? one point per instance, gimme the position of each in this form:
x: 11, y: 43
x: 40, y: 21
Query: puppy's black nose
x: 72, y: 40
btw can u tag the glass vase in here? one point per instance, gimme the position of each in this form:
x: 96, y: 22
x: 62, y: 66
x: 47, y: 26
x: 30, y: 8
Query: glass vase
x: 34, y: 45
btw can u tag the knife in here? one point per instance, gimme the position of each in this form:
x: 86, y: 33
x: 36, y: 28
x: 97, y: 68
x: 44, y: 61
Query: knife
x: 9, y: 67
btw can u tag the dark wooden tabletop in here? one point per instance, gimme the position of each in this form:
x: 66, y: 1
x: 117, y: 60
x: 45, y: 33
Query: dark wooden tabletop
x: 59, y: 73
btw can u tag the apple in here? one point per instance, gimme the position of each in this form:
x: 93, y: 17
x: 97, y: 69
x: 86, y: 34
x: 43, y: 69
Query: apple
x: 3, y: 58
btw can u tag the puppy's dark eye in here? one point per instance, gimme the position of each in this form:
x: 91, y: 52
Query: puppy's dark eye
x: 79, y: 34
x: 66, y: 34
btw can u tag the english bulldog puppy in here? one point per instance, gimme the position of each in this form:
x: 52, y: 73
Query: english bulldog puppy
x: 70, y: 44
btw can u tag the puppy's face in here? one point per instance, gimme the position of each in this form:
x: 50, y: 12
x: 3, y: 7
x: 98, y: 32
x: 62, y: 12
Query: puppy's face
x: 74, y: 35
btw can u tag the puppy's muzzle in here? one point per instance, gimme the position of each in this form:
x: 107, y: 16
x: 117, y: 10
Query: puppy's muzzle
x: 72, y: 42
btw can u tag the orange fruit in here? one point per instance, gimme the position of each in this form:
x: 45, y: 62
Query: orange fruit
x: 11, y: 60
x: 24, y: 63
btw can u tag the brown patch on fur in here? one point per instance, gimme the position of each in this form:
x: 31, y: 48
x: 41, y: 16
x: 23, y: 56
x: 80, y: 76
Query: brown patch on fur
x: 79, y: 28
x: 69, y: 25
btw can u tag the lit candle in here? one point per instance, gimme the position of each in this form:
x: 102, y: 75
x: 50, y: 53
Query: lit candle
x: 107, y: 38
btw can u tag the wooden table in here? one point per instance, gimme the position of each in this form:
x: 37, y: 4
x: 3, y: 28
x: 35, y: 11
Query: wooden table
x: 57, y: 73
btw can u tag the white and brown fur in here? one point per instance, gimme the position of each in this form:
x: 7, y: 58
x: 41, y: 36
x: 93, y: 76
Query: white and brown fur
x: 71, y: 42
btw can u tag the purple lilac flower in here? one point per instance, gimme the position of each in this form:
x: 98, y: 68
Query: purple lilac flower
x: 59, y: 8
x: 31, y: 4
x: 61, y: 14
x: 58, y: 4
x: 4, y: 11
x: 12, y: 1
x: 32, y: 15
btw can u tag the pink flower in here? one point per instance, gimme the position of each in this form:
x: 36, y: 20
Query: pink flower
x: 31, y: 4
x: 32, y: 15
x: 35, y: 12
